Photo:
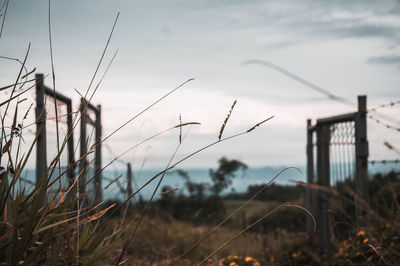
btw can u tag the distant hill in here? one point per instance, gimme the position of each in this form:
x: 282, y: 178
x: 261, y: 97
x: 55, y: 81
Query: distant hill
x: 253, y: 175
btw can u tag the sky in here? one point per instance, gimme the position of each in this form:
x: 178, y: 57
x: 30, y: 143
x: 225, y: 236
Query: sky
x: 349, y: 48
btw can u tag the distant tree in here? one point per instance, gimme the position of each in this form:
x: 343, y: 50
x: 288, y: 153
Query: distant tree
x: 167, y: 196
x: 196, y: 190
x: 222, y: 177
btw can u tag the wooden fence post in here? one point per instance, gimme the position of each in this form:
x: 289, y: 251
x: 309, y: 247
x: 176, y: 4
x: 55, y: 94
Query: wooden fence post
x: 98, y: 189
x: 362, y: 152
x: 310, y: 199
x: 70, y: 145
x: 40, y: 112
x: 323, y: 174
x: 83, y: 163
x: 129, y: 183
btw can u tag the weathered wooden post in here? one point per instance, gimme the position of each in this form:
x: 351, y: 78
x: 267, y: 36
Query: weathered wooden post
x: 70, y: 145
x: 323, y: 174
x: 310, y: 199
x: 129, y: 183
x: 362, y: 152
x: 98, y: 189
x: 83, y: 150
x: 40, y: 112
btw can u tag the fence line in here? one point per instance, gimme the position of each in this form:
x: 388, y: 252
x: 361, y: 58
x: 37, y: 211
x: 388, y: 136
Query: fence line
x: 41, y: 146
x: 84, y: 107
x: 341, y: 152
x: 391, y: 104
x: 388, y: 126
x: 384, y: 161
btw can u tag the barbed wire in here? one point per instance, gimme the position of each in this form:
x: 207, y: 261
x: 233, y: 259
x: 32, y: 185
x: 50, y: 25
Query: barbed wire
x: 392, y: 103
x: 382, y: 123
x: 391, y: 147
x: 384, y: 161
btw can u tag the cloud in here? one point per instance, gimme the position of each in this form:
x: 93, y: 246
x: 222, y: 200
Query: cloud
x: 390, y: 59
x: 312, y: 20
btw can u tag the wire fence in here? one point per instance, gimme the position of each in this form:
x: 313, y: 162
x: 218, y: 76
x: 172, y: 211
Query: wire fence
x: 342, y: 151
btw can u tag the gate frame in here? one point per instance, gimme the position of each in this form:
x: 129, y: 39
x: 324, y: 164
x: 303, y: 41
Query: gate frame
x: 318, y: 201
x: 41, y: 146
x: 98, y: 193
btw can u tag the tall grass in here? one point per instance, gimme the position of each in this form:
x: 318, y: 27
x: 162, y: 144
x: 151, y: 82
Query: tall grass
x: 48, y: 225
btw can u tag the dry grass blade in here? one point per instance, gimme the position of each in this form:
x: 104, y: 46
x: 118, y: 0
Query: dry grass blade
x: 54, y: 89
x: 226, y: 120
x: 97, y: 215
x: 377, y: 253
x: 186, y: 124
x: 15, y: 97
x: 316, y: 187
x: 102, y: 55
x: 180, y: 129
x: 259, y: 124
x: 253, y: 224
x: 147, y: 108
x: 137, y: 145
x: 169, y: 191
x: 7, y: 146
x: 143, y: 212
x: 171, y: 167
x: 113, y: 160
x: 4, y: 18
x: 307, y: 211
x: 77, y: 118
x: 24, y: 76
x: 102, y: 77
x: 112, y: 182
x: 235, y: 212
x: 11, y: 97
x: 30, y: 72
x: 184, y: 159
x: 19, y: 83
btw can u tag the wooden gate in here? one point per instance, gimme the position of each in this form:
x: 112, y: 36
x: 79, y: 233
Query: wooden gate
x: 41, y: 147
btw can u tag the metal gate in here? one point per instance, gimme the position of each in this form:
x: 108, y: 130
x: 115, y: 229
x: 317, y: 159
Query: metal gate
x: 341, y: 148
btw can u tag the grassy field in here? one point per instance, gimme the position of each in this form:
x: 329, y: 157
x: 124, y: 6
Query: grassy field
x: 52, y: 225
x: 254, y: 207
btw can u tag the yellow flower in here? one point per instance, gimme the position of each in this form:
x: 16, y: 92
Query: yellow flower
x: 340, y: 251
x: 358, y: 253
x: 294, y: 255
x: 233, y: 264
x: 210, y: 260
x: 247, y: 259
x: 361, y: 233
x: 365, y: 240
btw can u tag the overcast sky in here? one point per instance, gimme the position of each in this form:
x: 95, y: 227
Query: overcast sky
x: 346, y: 47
